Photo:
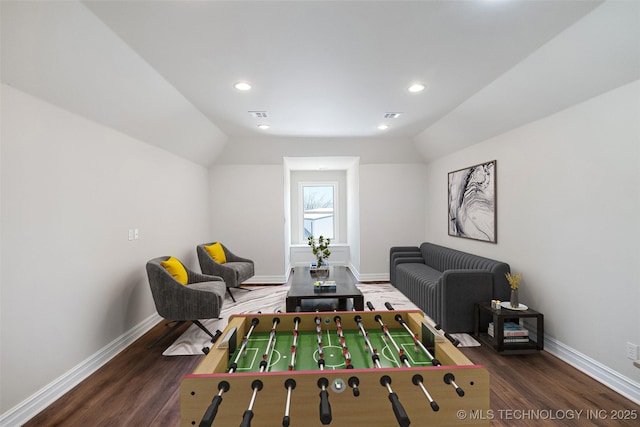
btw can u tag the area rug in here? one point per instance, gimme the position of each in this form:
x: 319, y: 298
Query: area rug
x: 271, y: 299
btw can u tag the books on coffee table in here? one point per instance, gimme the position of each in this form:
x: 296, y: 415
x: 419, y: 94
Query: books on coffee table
x: 324, y: 285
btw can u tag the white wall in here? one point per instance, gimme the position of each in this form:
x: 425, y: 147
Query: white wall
x: 392, y: 208
x: 353, y: 215
x: 568, y: 202
x: 247, y: 215
x: 248, y: 211
x: 71, y: 281
x: 63, y: 53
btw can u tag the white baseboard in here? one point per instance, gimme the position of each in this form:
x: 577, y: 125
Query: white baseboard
x: 34, y: 404
x: 596, y: 370
x: 267, y: 280
x: 375, y: 277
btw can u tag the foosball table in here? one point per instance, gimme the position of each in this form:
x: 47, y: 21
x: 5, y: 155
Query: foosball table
x: 369, y: 368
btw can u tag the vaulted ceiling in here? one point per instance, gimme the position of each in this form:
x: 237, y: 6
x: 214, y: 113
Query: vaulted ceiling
x: 164, y: 71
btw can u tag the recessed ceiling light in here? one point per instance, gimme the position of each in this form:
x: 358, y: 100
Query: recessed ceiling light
x: 243, y: 86
x: 383, y: 127
x: 263, y: 126
x: 416, y: 87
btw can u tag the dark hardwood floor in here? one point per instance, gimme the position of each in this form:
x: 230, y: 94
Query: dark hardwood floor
x: 140, y: 387
x: 542, y: 390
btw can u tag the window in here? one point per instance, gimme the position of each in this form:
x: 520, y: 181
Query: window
x: 318, y: 204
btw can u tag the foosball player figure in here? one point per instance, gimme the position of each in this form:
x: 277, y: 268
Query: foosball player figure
x: 245, y: 340
x: 385, y: 330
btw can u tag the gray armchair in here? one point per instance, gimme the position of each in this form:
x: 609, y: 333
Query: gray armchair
x: 200, y: 298
x: 235, y: 271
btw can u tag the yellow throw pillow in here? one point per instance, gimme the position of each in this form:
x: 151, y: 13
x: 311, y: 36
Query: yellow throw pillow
x: 216, y: 252
x: 176, y: 269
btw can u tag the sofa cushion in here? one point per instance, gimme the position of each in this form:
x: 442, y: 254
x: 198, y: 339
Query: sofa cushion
x: 423, y: 271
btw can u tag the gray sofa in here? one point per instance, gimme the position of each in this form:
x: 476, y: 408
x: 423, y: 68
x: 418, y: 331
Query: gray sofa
x: 446, y: 283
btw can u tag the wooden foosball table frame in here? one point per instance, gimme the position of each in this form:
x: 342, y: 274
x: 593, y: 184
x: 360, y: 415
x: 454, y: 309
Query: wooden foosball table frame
x: 371, y: 406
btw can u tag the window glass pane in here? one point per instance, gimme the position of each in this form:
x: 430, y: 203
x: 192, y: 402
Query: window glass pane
x: 318, y: 211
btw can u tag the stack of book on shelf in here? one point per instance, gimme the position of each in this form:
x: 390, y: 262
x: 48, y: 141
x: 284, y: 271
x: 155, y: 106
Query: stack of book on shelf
x: 513, y: 333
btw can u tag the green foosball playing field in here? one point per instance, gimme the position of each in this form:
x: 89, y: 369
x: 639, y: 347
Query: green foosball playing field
x: 307, y: 351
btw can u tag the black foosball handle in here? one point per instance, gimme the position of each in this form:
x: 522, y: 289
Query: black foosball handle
x: 286, y: 421
x: 370, y: 306
x: 453, y: 340
x: 246, y: 418
x: 211, y: 412
x: 217, y: 335
x: 389, y: 306
x: 354, y: 382
x: 206, y: 349
x: 325, y: 408
x: 398, y: 410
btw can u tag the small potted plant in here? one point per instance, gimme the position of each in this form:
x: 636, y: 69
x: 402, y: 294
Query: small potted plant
x: 321, y: 250
x: 514, y: 282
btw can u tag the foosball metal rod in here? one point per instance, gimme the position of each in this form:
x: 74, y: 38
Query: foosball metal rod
x: 453, y: 340
x: 245, y: 341
x: 399, y: 319
x: 266, y: 357
x: 385, y: 330
x: 343, y: 344
x: 212, y: 410
x: 289, y: 384
x: 405, y: 360
x: 385, y: 380
x: 419, y: 381
x: 374, y: 356
x: 416, y: 340
x: 294, y: 346
x: 320, y: 345
x: 450, y: 379
x: 256, y: 385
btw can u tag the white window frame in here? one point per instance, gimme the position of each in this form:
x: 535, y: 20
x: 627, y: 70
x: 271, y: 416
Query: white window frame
x: 336, y: 207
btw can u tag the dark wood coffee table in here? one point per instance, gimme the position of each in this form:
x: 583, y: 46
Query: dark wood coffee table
x: 302, y: 293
